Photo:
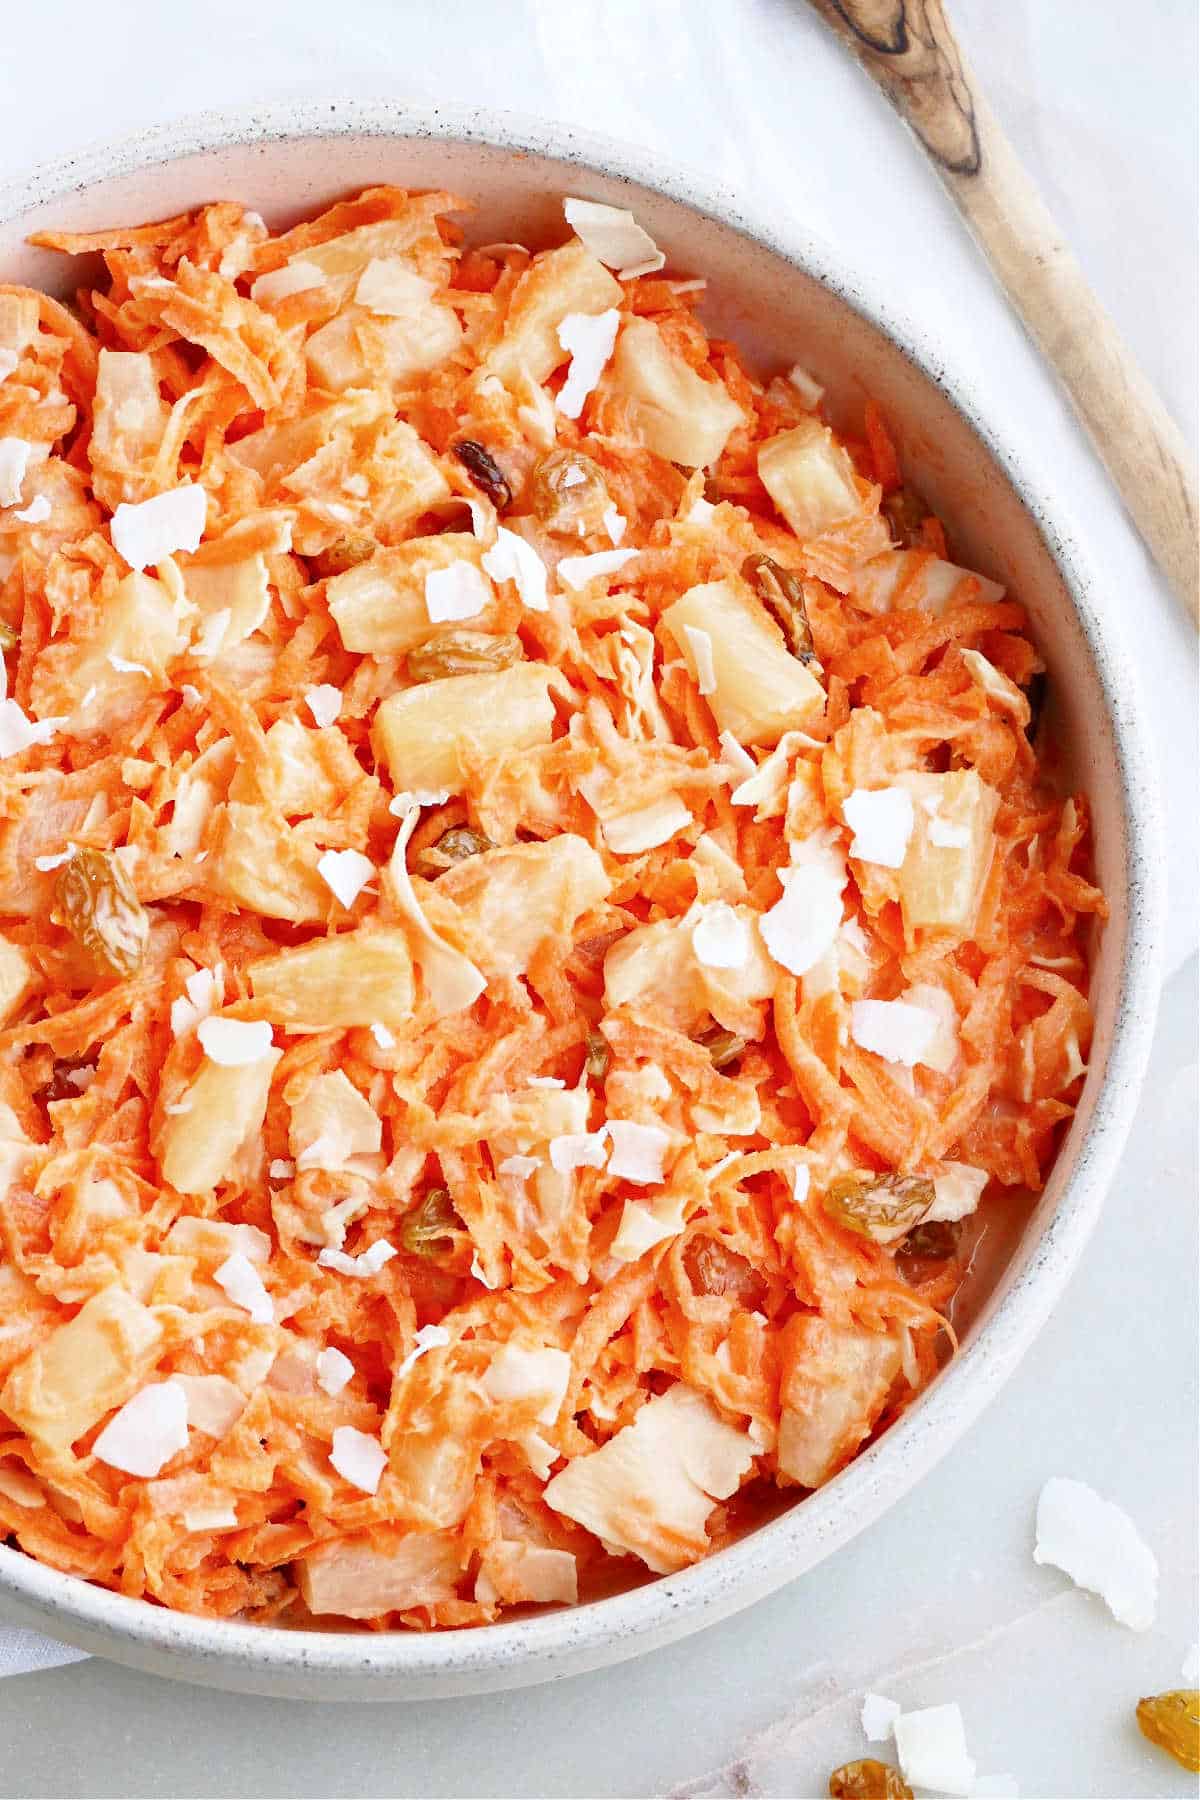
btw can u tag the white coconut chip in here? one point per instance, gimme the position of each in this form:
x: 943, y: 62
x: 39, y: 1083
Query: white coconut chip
x: 239, y: 1278
x: 893, y: 1029
x: 390, y: 289
x: 430, y: 1337
x: 614, y: 237
x: 459, y: 591
x: 147, y: 1431
x: 882, y: 822
x: 14, y: 460
x: 522, y: 1167
x: 383, y: 1037
x: 801, y: 1182
x: 36, y: 513
x: 640, y: 1229
x: 234, y: 1043
x: 588, y: 338
x: 123, y: 666
x: 333, y: 1370
x: 945, y: 835
x: 511, y: 558
x: 281, y: 1168
x: 957, y: 1190
x: 345, y: 873
x: 737, y: 757
x: 400, y: 805
x: 8, y: 362
x: 367, y: 1263
x: 701, y: 646
x: 615, y: 524
x: 481, y: 1275
x: 547, y: 1081
x: 1098, y: 1545
x: 810, y: 391
x: 324, y: 702
x: 879, y: 1715
x: 19, y: 733
x: 800, y: 928
x: 44, y: 864
x: 577, y: 571
x: 637, y: 1151
x: 210, y: 1518
x: 358, y: 1458
x: 631, y: 833
x: 294, y: 277
x: 149, y: 530
x: 932, y: 1748
x: 721, y: 937
x: 579, y: 1150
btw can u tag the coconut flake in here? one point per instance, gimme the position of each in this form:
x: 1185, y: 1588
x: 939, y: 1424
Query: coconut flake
x: 800, y: 928
x: 281, y: 1168
x: 879, y: 1715
x: 44, y: 864
x: 520, y: 1166
x: 412, y: 800
x: 19, y: 733
x: 882, y: 822
x: 123, y: 666
x: 430, y: 1337
x: 614, y: 237
x: 294, y: 277
x: 577, y: 571
x: 149, y: 530
x: 210, y: 1518
x: 615, y: 523
x: 721, y: 937
x: 1098, y: 1545
x: 588, y: 338
x: 147, y: 1431
x: 641, y: 1228
x: 234, y: 1043
x: 324, y: 702
x: 579, y: 1150
x: 333, y: 1370
x: 368, y: 1262
x: 36, y: 513
x: 957, y: 1191
x: 893, y: 1029
x: 546, y: 1081
x: 628, y: 834
x: 345, y: 873
x: 801, y: 1182
x: 945, y: 835
x: 481, y: 1274
x: 8, y: 362
x: 701, y: 646
x: 932, y: 1747
x: 459, y: 591
x: 358, y: 1458
x: 511, y: 558
x: 240, y: 1279
x: 388, y: 287
x: 738, y: 758
x: 202, y: 992
x: 637, y: 1151
x: 383, y: 1037
x: 14, y: 460
x: 810, y: 391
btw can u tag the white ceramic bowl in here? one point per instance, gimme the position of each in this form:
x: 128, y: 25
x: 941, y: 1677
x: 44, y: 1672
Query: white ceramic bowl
x: 783, y: 297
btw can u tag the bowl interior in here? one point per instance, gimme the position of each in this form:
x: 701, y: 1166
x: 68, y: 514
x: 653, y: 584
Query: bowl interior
x: 780, y: 311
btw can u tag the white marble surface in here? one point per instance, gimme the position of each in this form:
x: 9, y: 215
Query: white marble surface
x: 940, y: 1600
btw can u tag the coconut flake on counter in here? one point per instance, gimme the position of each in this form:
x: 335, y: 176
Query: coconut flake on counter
x: 430, y: 1337
x: 800, y: 928
x: 366, y: 1263
x: 615, y: 523
x: 334, y: 1370
x: 893, y: 1029
x: 882, y: 822
x: 511, y: 558
x: 1098, y: 1545
x: 345, y: 873
x: 383, y: 1037
x: 324, y: 702
x: 234, y: 1043
x: 14, y: 461
x: 588, y: 338
x: 36, y: 513
x: 358, y: 1458
x: 294, y: 277
x: 932, y: 1748
x: 151, y: 1428
x: 700, y: 644
x: 614, y: 237
x: 637, y: 1151
x: 238, y: 1277
x: 879, y: 1715
x: 579, y: 1150
x: 721, y: 937
x: 577, y: 571
x: 147, y: 531
x: 459, y: 591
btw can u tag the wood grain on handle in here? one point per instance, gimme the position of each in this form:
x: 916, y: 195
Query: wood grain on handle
x: 909, y: 49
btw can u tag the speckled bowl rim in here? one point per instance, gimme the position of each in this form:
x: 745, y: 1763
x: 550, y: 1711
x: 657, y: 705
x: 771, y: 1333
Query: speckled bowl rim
x: 548, y: 1646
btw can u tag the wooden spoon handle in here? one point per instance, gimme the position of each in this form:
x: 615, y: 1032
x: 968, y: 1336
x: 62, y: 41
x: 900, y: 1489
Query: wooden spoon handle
x: 909, y: 49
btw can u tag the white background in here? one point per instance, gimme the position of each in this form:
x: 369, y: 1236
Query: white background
x: 940, y: 1600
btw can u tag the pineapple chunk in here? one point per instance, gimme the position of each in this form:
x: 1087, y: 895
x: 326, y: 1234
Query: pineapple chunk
x: 404, y: 468
x: 292, y: 776
x: 762, y: 690
x: 83, y: 1369
x: 562, y: 281
x: 650, y: 1488
x: 140, y: 624
x: 342, y: 259
x: 16, y: 978
x: 379, y: 607
x: 225, y: 1111
x: 919, y: 579
x: 509, y: 900
x: 941, y: 883
x: 355, y: 348
x: 258, y: 862
x: 676, y: 413
x: 128, y: 423
x: 809, y: 477
x: 237, y: 588
x: 423, y: 733
x: 835, y: 1382
x: 357, y: 1579
x: 654, y: 968
x: 335, y: 1125
x: 277, y: 449
x: 360, y: 978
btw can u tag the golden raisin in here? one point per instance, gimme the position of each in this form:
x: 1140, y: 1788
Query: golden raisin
x: 783, y: 596
x: 724, y: 1047
x: 344, y: 553
x: 881, y: 1207
x: 428, y: 1230
x: 1172, y: 1721
x: 95, y: 901
x: 569, y: 495
x: 868, y: 1780
x: 713, y: 1268
x: 906, y: 513
x: 599, y: 1056
x: 463, y: 653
